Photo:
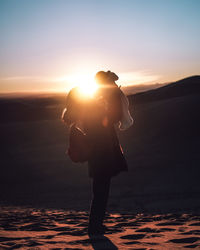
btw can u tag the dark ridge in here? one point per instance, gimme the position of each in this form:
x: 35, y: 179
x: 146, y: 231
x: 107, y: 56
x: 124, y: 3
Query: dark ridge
x: 186, y: 86
x: 31, y: 108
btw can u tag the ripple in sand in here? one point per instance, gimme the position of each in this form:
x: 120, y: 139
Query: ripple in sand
x: 165, y: 229
x: 47, y: 236
x: 154, y: 235
x: 131, y: 242
x: 128, y: 224
x: 66, y: 229
x: 85, y: 242
x: 195, y: 232
x: 56, y: 242
x: 192, y: 246
x: 195, y: 224
x: 185, y: 240
x: 16, y: 246
x: 67, y: 248
x: 148, y: 230
x: 74, y: 232
x: 34, y: 227
x: 170, y: 223
x: 3, y: 239
x: 133, y: 236
x: 140, y: 248
x: 33, y: 244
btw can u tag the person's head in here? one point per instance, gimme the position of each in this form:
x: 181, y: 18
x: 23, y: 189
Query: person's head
x: 103, y: 77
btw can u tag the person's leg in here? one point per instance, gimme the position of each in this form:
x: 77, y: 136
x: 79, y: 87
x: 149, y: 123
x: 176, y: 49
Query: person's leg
x: 100, y: 188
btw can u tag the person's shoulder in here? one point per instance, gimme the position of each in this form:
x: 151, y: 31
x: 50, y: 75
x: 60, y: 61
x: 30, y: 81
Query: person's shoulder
x: 72, y: 95
x: 73, y: 91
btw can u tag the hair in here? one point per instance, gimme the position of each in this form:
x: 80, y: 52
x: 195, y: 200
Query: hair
x: 101, y: 77
x: 106, y: 77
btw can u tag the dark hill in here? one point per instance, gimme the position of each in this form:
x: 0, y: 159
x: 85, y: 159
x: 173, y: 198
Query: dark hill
x: 31, y: 108
x: 186, y: 86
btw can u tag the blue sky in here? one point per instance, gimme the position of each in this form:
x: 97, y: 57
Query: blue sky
x: 52, y: 44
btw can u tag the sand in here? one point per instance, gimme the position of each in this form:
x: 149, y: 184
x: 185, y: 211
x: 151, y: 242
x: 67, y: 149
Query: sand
x: 29, y: 228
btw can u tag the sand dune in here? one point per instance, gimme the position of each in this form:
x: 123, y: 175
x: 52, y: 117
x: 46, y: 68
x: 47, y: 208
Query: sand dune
x: 28, y: 228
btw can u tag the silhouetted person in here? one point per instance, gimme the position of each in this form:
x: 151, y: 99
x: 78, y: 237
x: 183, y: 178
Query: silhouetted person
x: 97, y: 117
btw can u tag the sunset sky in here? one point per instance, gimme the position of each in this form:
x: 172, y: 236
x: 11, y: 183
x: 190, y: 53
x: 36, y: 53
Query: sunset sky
x: 51, y: 45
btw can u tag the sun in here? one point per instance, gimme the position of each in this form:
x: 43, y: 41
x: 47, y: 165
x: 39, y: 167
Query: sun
x: 84, y: 80
x: 88, y: 89
x: 85, y: 83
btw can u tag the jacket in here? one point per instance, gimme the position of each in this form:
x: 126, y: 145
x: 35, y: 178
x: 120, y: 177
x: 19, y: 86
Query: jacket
x: 97, y: 117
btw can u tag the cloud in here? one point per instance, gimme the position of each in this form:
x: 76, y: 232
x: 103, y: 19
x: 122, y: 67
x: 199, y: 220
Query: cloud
x: 137, y: 77
x: 24, y: 78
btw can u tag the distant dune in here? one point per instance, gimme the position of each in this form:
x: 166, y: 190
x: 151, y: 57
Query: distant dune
x: 186, y: 86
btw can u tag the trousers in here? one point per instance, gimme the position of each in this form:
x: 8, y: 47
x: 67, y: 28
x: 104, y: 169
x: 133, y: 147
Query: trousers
x: 100, y: 192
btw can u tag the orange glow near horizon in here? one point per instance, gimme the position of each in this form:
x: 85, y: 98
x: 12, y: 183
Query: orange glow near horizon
x: 84, y: 81
x: 87, y: 89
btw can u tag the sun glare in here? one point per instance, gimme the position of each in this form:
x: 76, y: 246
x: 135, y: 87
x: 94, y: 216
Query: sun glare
x: 88, y: 89
x: 87, y: 85
x: 85, y: 82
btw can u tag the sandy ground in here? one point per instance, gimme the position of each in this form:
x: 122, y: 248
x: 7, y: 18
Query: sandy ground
x: 29, y: 228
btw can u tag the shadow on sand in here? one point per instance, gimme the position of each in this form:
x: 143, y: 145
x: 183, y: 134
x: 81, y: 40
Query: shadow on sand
x: 102, y: 242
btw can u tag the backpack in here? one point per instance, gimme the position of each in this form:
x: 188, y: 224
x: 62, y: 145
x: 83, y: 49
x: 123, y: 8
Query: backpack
x: 79, y: 149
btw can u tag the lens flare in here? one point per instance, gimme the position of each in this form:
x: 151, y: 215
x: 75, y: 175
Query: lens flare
x: 85, y: 83
x: 87, y: 89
